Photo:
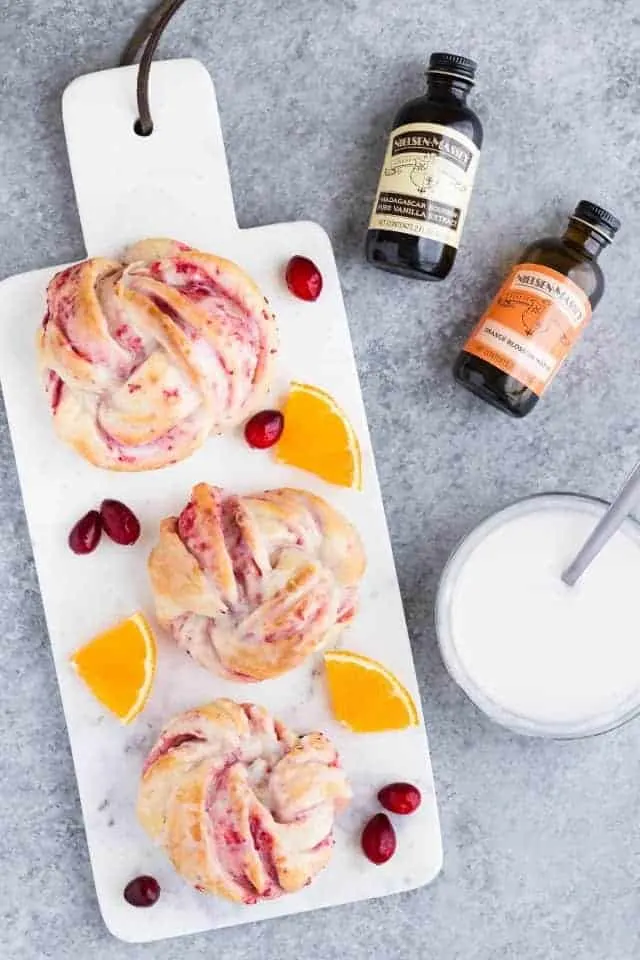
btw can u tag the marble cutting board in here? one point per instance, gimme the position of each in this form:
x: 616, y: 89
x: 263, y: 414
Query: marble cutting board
x: 175, y: 183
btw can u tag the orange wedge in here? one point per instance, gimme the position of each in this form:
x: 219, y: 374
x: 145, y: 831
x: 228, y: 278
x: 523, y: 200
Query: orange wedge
x: 365, y: 695
x: 318, y: 437
x: 119, y: 666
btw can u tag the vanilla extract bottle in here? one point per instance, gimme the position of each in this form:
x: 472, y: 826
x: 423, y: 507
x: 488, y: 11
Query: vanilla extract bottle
x: 528, y: 330
x: 427, y: 176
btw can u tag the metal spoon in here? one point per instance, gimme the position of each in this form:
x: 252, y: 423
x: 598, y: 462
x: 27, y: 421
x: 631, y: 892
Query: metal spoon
x: 605, y: 529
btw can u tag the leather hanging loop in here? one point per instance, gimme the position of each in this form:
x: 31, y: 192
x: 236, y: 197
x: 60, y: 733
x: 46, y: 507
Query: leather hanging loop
x: 147, y: 35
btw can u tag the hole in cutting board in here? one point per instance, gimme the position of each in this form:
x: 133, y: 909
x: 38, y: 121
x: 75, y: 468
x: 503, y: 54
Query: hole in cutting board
x: 137, y: 129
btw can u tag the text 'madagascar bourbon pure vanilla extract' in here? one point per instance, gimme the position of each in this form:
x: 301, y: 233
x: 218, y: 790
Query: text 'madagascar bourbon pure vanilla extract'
x: 427, y: 177
x: 539, y: 312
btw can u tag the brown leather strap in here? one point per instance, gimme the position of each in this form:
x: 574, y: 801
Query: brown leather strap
x: 147, y: 34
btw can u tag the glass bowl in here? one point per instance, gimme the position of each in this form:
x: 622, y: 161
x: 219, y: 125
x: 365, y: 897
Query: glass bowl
x: 519, y: 722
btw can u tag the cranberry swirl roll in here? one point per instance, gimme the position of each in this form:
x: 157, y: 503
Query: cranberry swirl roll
x: 244, y: 808
x: 143, y: 359
x: 250, y: 586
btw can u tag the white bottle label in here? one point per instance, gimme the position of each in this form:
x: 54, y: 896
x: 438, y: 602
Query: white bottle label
x: 426, y: 182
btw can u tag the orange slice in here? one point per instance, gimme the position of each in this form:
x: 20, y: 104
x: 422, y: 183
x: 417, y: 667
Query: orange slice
x: 365, y: 695
x: 318, y: 437
x: 119, y: 666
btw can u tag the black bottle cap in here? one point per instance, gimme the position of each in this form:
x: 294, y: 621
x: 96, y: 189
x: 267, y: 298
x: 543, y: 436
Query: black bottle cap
x: 450, y: 64
x: 597, y: 217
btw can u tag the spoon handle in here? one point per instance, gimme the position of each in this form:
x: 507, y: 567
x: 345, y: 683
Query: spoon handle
x: 605, y: 529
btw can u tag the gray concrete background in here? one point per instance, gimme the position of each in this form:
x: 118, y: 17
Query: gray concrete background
x: 542, y: 840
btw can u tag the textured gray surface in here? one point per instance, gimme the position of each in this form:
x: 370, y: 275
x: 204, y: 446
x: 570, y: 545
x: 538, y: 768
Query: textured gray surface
x: 542, y: 840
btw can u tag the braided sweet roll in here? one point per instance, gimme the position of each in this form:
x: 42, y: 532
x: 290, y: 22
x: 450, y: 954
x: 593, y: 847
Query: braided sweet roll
x: 252, y: 585
x: 243, y: 807
x: 142, y: 360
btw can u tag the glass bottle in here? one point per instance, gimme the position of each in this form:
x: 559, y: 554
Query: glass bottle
x: 522, y: 339
x: 427, y: 176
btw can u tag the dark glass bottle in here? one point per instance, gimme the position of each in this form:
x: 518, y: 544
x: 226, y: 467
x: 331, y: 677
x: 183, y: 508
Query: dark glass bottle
x: 427, y: 177
x: 530, y: 327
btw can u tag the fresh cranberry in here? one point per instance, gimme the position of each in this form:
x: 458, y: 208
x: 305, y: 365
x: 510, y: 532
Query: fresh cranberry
x: 400, y: 798
x: 303, y: 278
x: 379, y: 839
x: 85, y: 535
x: 119, y: 522
x: 142, y: 892
x: 264, y: 429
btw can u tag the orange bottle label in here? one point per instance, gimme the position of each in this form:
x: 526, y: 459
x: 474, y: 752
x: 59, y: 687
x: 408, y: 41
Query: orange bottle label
x: 532, y: 324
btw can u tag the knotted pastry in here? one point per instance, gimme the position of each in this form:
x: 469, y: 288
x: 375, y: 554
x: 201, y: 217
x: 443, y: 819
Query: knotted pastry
x: 243, y: 807
x: 143, y: 359
x: 250, y: 586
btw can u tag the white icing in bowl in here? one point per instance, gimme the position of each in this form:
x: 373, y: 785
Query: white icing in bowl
x: 535, y: 655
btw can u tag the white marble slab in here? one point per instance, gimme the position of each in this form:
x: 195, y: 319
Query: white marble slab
x: 83, y: 595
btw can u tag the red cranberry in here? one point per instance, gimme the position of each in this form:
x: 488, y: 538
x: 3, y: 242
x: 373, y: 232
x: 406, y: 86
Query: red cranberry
x: 85, y: 535
x: 379, y: 839
x: 119, y: 522
x: 400, y: 798
x: 303, y: 278
x: 142, y: 892
x: 264, y: 429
